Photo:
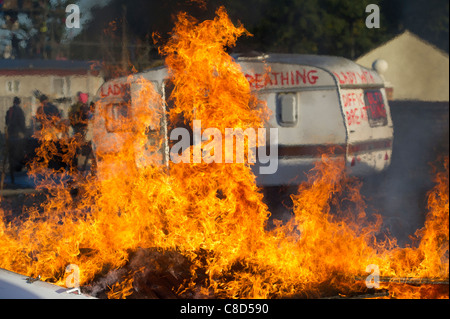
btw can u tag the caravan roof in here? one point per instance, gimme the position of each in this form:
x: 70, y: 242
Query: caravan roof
x: 345, y: 72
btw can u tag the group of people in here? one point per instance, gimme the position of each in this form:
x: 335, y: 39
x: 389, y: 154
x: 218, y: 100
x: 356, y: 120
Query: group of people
x: 49, y: 122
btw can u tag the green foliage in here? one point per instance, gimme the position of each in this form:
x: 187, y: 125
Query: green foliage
x: 333, y: 27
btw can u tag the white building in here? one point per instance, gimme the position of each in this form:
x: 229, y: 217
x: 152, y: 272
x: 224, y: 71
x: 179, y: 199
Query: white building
x: 417, y: 70
x: 58, y: 79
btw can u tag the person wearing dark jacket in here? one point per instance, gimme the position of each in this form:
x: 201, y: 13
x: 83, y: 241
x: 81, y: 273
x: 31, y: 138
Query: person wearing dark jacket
x: 78, y: 115
x: 50, y: 128
x: 15, y: 137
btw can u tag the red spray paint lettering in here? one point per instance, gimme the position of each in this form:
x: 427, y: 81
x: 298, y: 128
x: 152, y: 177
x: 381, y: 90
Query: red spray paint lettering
x: 353, y: 99
x: 114, y: 89
x: 352, y: 116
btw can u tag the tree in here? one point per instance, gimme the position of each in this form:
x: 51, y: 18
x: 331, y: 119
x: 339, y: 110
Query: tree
x: 32, y: 29
x: 336, y: 27
x: 429, y: 19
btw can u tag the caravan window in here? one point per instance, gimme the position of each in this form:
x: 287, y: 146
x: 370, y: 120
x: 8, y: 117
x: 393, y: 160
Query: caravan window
x: 287, y: 109
x: 117, y: 117
x: 376, y: 110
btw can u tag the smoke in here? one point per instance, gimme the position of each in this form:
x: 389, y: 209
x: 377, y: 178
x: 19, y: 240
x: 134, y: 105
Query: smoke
x: 399, y: 194
x: 105, y: 282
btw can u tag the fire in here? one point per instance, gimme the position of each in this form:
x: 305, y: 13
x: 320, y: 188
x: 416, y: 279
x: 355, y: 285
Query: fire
x: 429, y: 259
x: 207, y: 224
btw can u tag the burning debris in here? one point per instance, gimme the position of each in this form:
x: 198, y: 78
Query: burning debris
x: 199, y: 230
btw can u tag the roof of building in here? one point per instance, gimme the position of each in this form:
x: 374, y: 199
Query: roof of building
x: 417, y: 70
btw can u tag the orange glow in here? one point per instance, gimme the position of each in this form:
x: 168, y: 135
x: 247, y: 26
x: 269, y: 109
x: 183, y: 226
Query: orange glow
x: 212, y: 216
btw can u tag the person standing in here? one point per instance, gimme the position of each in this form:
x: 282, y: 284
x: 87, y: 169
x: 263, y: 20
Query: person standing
x: 78, y: 117
x: 50, y: 129
x: 15, y: 136
x: 47, y: 113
